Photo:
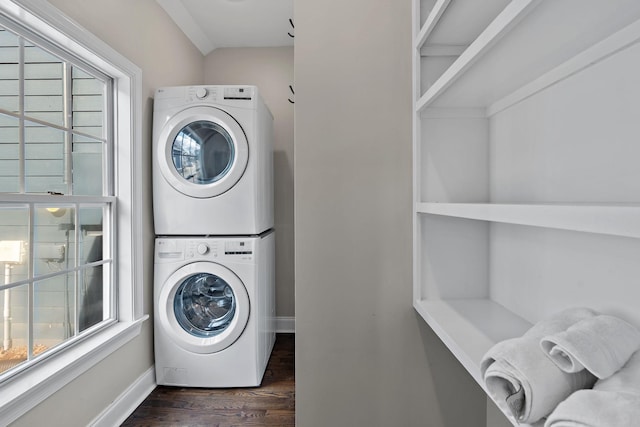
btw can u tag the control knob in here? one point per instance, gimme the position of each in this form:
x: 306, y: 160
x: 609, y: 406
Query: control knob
x: 201, y: 93
x: 202, y: 248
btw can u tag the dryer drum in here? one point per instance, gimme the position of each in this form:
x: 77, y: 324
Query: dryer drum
x: 204, y: 305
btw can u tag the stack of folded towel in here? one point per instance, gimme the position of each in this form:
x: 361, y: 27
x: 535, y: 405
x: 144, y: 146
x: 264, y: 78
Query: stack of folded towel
x: 613, y: 402
x: 558, y: 357
x: 600, y: 344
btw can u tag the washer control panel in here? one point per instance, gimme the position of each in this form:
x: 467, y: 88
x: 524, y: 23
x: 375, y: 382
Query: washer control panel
x: 201, y: 249
x: 227, y: 249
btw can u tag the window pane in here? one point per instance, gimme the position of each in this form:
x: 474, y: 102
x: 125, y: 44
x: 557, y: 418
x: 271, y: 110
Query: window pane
x: 14, y: 237
x: 92, y: 296
x: 14, y: 330
x: 9, y: 154
x: 91, y: 243
x: 44, y: 75
x: 88, y: 103
x: 45, y: 160
x: 9, y: 59
x: 88, y: 170
x: 54, y: 313
x: 53, y: 239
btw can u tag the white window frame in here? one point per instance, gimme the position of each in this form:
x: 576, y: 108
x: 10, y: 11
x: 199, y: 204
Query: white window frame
x: 26, y: 390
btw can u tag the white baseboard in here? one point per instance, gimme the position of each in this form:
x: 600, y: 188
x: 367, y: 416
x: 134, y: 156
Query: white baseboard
x: 285, y: 324
x: 128, y: 401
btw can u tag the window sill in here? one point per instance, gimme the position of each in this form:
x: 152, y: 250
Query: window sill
x: 36, y: 384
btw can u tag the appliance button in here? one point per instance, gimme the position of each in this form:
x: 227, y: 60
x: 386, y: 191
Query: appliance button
x: 203, y: 248
x: 201, y: 93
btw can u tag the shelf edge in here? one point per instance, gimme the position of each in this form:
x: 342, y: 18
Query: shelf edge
x: 616, y: 220
x: 459, y: 352
x: 613, y: 44
x: 501, y: 25
x: 432, y: 20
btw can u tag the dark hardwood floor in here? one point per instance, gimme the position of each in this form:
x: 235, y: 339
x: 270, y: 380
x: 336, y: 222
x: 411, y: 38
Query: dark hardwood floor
x: 270, y: 405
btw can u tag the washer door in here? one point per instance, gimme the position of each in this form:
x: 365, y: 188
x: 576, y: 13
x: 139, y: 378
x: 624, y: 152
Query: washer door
x: 202, y: 152
x: 204, y: 307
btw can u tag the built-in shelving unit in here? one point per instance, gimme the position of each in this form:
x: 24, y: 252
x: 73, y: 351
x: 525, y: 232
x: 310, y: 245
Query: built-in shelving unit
x: 526, y: 177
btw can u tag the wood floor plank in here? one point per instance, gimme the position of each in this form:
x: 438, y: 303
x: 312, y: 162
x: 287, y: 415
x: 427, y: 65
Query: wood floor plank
x: 270, y: 405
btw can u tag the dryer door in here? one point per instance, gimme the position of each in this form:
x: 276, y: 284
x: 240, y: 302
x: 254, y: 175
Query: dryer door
x: 202, y: 152
x: 204, y: 307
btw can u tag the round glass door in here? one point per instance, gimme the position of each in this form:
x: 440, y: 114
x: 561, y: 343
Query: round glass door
x: 202, y: 152
x: 204, y: 305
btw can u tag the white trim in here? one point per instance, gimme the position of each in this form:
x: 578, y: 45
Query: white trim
x: 38, y: 383
x: 285, y: 325
x: 125, y: 404
x: 183, y: 19
x: 48, y: 199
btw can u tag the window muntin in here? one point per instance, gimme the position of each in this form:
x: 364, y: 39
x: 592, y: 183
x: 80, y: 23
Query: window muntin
x: 55, y: 249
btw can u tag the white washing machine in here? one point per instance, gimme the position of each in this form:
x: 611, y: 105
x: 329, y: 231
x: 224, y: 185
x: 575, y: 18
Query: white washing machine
x: 212, y: 161
x: 214, y: 323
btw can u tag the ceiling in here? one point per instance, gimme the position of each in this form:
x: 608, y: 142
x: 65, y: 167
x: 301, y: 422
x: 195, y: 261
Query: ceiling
x: 211, y: 24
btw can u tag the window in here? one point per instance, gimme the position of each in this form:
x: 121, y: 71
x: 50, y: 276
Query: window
x: 71, y: 280
x: 55, y: 247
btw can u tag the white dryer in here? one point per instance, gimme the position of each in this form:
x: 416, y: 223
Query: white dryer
x: 212, y: 161
x: 214, y: 300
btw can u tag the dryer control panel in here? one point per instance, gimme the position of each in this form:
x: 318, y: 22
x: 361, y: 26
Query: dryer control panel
x: 238, y: 96
x: 220, y: 94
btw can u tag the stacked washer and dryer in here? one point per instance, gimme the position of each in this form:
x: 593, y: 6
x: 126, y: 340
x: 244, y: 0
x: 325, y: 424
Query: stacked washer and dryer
x: 214, y: 295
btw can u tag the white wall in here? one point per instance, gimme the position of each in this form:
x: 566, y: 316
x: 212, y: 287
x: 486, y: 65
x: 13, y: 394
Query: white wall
x: 363, y: 356
x: 271, y: 69
x: 141, y: 31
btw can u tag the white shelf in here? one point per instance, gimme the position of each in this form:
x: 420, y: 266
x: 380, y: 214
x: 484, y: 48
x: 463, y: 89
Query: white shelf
x: 617, y: 220
x: 431, y: 22
x: 458, y: 22
x: 470, y: 327
x: 524, y: 100
x: 494, y: 67
x: 498, y: 28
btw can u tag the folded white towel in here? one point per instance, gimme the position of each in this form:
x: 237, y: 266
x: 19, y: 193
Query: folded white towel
x: 600, y: 344
x: 591, y: 408
x: 525, y: 383
x: 626, y: 380
x: 613, y: 402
